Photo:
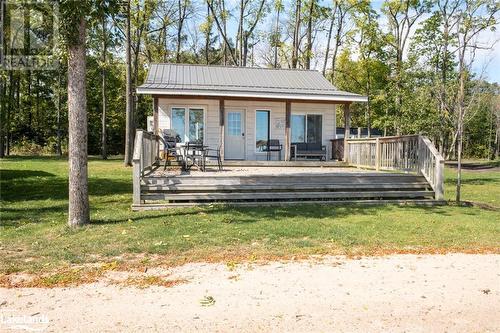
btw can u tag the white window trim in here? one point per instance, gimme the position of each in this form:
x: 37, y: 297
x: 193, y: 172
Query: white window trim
x: 255, y: 129
x: 306, y: 114
x: 186, y: 108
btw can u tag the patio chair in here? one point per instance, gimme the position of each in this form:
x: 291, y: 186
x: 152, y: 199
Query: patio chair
x: 170, y: 140
x: 271, y: 146
x: 213, y: 153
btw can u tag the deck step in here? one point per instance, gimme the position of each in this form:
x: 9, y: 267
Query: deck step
x: 364, y: 202
x: 285, y: 179
x: 265, y: 196
x: 283, y: 187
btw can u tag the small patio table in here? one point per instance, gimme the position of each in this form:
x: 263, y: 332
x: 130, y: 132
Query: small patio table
x: 193, y: 154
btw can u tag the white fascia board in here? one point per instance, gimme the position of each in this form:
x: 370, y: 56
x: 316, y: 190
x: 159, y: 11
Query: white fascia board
x: 311, y: 97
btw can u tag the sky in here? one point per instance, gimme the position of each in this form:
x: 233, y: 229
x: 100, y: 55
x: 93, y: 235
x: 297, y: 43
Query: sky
x: 486, y: 64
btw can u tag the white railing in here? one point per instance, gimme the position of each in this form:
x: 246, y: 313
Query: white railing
x: 408, y: 153
x: 146, y: 156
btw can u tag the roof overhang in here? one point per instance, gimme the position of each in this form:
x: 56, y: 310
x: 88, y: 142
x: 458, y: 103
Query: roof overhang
x: 332, y: 98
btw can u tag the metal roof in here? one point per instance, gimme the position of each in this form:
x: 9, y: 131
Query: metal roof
x: 251, y: 82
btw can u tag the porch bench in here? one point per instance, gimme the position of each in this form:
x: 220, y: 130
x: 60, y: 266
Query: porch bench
x: 307, y: 150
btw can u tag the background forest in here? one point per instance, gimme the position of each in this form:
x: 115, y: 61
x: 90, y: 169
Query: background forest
x: 415, y: 60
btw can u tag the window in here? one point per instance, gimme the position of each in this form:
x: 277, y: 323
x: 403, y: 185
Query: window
x: 234, y: 123
x: 314, y: 124
x: 188, y: 124
x: 262, y: 119
x: 307, y: 128
x: 196, y: 125
x: 179, y: 123
x: 298, y: 127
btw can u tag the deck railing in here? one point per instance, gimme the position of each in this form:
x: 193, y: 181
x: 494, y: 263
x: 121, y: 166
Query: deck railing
x: 408, y: 153
x: 146, y: 155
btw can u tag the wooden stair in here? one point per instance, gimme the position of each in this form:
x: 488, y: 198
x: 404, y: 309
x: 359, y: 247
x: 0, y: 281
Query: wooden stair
x: 187, y: 190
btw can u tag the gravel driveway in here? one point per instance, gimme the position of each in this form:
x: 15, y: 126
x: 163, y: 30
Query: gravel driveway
x: 400, y: 293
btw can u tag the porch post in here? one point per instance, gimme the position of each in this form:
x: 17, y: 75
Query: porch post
x: 156, y: 128
x: 221, y: 125
x: 288, y: 115
x: 347, y: 129
x: 155, y: 116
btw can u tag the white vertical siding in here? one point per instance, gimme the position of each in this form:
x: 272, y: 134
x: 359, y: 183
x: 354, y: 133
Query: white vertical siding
x: 277, y: 125
x: 277, y: 109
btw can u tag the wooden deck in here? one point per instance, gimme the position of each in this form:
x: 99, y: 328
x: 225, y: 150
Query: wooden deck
x: 273, y: 185
x: 404, y: 169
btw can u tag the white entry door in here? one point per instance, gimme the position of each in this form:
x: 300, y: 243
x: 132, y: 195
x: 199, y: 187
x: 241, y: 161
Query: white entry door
x: 234, y: 135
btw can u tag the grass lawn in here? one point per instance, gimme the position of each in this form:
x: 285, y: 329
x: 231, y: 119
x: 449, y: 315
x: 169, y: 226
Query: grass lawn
x: 34, y: 236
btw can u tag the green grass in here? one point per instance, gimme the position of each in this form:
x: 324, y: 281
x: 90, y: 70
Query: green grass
x: 34, y: 236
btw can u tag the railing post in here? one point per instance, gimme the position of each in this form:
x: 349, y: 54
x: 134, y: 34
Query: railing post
x: 136, y: 183
x: 377, y: 154
x: 137, y: 162
x: 347, y: 130
x: 439, y: 186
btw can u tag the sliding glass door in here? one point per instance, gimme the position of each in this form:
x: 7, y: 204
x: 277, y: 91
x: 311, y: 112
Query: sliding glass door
x: 306, y: 128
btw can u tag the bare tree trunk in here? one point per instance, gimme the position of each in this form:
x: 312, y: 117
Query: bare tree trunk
x: 2, y: 116
x: 296, y: 30
x: 309, y: 36
x: 77, y: 106
x: 241, y: 33
x: 207, y: 38
x: 277, y: 33
x: 182, y: 16
x: 329, y: 39
x: 104, y: 148
x: 128, y: 98
x: 223, y: 33
x: 57, y: 94
x: 224, y: 28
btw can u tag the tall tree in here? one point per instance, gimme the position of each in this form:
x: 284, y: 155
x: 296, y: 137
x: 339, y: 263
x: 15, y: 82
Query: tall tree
x: 310, y: 20
x: 296, y: 34
x: 182, y: 11
x: 104, y: 148
x: 74, y: 26
x: 129, y: 111
x: 402, y: 16
x: 474, y: 16
x: 276, y: 35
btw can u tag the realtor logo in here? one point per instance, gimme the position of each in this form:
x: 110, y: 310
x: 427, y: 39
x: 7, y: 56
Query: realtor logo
x: 29, y: 34
x: 12, y: 321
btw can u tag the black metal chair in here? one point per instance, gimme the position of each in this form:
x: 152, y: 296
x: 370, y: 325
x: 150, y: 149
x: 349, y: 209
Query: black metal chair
x: 272, y: 146
x: 213, y: 153
x: 169, y: 147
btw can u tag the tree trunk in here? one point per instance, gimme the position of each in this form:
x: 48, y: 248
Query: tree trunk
x: 128, y: 97
x: 276, y: 37
x: 179, y: 31
x: 309, y: 36
x: 224, y: 28
x: 77, y: 107
x: 328, y: 40
x: 296, y: 30
x: 104, y: 148
x: 2, y: 120
x: 58, y: 108
x: 241, y: 33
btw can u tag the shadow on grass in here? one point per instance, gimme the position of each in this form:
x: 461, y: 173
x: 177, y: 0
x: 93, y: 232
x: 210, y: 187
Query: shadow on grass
x: 6, y: 175
x: 56, y: 188
x: 245, y: 215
